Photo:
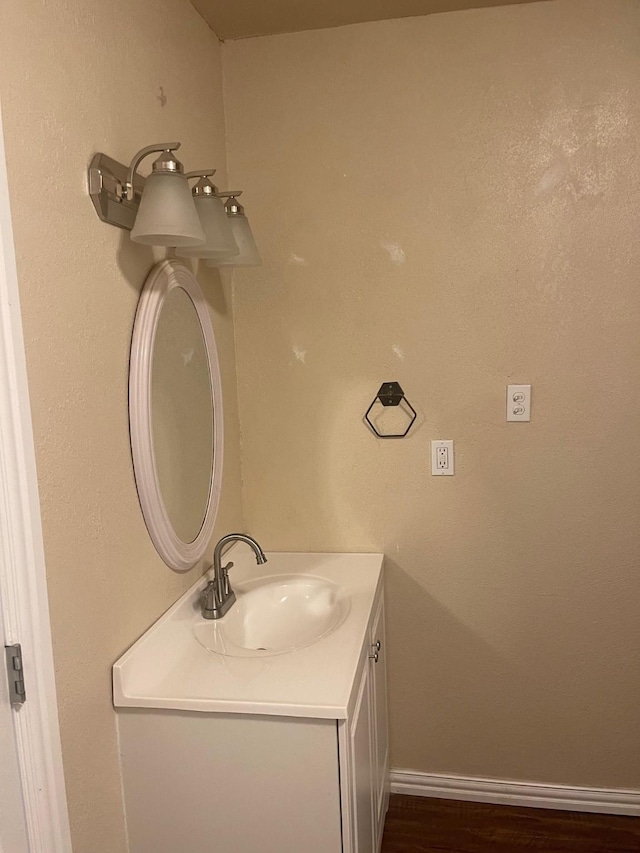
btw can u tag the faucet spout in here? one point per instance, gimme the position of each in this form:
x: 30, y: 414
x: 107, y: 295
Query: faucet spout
x: 218, y: 596
x: 237, y: 537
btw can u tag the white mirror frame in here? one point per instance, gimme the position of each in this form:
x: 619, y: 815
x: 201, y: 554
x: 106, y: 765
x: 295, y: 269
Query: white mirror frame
x: 163, y: 278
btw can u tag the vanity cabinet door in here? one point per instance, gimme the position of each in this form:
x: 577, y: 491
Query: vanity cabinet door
x: 364, y: 754
x: 361, y: 781
x: 379, y: 734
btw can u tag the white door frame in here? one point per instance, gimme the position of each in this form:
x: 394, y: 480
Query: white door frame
x: 23, y: 583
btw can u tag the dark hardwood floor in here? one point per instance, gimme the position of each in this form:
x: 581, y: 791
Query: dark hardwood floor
x: 421, y: 825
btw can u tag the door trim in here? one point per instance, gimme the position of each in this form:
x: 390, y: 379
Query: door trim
x: 23, y: 584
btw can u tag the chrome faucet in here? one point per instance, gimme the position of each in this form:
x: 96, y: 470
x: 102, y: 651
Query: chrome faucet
x: 217, y: 596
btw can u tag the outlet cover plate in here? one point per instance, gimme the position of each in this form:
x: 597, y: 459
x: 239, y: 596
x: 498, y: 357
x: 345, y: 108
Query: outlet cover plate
x: 442, y: 461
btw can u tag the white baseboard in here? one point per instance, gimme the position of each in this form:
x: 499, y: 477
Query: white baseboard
x: 533, y: 794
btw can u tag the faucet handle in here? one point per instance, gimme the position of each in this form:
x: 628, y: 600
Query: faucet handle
x: 225, y: 578
x: 207, y: 594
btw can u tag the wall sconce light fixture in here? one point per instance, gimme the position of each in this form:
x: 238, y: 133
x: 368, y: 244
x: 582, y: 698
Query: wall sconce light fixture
x: 219, y: 241
x: 248, y: 255
x: 162, y: 210
x: 167, y: 214
x: 158, y: 210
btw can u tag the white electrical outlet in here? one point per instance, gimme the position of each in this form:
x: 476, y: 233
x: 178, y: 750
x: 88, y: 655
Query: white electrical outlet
x: 442, y: 458
x: 518, y: 402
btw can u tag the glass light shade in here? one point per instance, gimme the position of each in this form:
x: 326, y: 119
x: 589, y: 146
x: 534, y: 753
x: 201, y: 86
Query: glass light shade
x: 218, y: 236
x: 248, y: 255
x: 167, y: 215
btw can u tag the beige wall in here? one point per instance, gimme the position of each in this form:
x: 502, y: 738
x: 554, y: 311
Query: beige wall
x: 77, y: 78
x: 453, y: 202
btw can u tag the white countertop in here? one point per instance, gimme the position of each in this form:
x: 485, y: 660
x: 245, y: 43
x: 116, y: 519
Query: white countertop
x: 168, y: 668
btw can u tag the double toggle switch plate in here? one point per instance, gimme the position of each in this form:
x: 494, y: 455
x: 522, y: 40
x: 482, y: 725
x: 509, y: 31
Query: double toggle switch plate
x: 518, y: 402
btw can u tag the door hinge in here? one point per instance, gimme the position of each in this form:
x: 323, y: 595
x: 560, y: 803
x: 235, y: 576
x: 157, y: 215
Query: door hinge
x: 15, y: 674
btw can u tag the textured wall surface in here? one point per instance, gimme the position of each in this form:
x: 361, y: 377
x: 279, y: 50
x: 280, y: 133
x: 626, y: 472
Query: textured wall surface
x: 453, y: 202
x: 77, y: 78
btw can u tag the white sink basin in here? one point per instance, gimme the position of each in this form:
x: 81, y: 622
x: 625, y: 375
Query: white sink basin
x: 169, y: 668
x: 276, y: 614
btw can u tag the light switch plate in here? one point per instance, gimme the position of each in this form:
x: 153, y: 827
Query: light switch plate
x: 518, y: 402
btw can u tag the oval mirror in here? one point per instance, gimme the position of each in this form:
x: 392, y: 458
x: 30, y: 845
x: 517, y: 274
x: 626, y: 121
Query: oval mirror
x: 175, y: 414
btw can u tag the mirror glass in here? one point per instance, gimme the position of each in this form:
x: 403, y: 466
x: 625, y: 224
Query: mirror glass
x: 175, y: 414
x: 182, y: 414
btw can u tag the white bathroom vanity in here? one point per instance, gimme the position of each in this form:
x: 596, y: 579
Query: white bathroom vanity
x: 268, y: 735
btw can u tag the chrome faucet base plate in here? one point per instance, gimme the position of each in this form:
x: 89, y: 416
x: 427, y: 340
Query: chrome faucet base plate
x: 219, y: 610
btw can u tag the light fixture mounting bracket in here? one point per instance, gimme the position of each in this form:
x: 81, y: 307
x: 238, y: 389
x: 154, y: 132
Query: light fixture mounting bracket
x: 108, y: 190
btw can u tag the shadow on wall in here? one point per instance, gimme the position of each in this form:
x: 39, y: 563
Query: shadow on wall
x: 213, y: 285
x: 134, y: 260
x: 451, y: 669
x: 471, y: 698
